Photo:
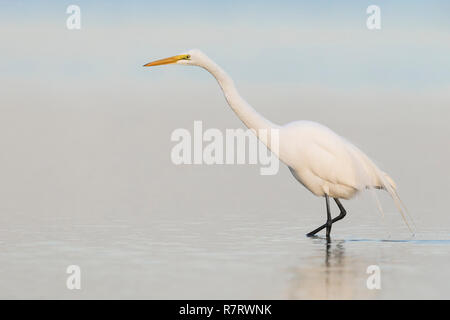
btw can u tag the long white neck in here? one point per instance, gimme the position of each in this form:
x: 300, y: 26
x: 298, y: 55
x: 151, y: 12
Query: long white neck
x: 249, y: 116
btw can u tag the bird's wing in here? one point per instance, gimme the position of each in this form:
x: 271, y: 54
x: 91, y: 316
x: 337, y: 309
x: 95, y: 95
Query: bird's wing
x: 337, y: 161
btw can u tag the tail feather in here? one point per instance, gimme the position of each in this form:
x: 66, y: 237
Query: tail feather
x: 371, y: 177
x: 388, y: 184
x: 391, y: 182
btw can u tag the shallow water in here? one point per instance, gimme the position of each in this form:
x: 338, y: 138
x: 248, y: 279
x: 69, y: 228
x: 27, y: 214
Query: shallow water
x: 96, y: 188
x: 232, y: 257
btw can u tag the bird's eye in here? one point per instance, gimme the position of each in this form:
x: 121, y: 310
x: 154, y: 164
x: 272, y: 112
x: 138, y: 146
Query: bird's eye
x: 188, y: 56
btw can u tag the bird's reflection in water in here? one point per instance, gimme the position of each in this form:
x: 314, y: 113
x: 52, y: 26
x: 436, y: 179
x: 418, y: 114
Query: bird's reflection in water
x: 331, y: 273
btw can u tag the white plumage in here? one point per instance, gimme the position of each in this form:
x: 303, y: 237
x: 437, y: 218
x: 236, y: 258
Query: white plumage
x: 325, y: 163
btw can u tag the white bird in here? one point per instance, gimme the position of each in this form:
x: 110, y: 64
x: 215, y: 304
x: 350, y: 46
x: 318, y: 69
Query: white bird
x: 325, y: 163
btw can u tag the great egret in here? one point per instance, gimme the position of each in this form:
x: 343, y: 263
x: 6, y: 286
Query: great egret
x: 322, y: 161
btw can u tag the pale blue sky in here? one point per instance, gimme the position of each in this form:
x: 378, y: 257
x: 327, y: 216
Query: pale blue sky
x: 323, y: 43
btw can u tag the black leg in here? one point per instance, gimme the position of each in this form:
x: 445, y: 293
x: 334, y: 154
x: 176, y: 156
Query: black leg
x: 328, y: 224
x: 341, y: 208
x: 329, y: 221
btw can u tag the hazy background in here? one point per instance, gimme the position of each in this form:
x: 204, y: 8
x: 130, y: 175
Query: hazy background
x: 85, y: 170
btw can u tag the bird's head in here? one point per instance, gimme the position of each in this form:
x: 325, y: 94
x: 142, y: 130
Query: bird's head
x: 193, y: 57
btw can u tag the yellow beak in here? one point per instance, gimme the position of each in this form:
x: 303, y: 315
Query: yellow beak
x: 169, y: 60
